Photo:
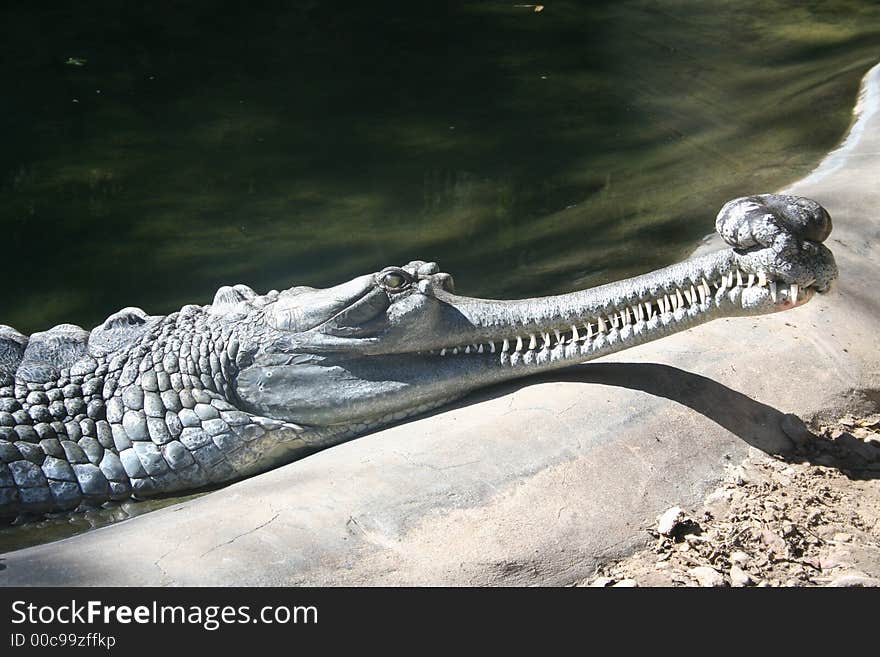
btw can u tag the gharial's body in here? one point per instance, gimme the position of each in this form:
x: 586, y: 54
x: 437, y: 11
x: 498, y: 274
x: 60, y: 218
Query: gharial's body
x: 143, y: 405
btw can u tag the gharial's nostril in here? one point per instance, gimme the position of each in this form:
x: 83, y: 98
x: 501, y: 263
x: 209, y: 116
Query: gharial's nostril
x: 445, y: 281
x: 428, y: 268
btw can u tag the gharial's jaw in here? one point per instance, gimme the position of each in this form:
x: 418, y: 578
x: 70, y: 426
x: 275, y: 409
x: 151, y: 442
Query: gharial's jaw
x: 770, y: 267
x: 427, y: 343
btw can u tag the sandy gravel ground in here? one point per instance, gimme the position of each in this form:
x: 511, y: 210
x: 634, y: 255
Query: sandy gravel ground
x: 811, y: 518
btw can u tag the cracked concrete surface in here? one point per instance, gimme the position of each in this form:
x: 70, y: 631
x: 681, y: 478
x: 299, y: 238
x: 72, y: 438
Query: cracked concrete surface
x: 532, y: 483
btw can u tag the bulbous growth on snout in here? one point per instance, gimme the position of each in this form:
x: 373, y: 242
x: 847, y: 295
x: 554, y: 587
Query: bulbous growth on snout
x: 784, y: 233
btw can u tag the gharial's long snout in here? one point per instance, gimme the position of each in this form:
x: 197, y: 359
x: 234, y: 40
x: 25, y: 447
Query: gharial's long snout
x: 776, y: 262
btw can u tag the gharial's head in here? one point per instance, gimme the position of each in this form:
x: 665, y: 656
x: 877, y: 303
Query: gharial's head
x: 389, y: 343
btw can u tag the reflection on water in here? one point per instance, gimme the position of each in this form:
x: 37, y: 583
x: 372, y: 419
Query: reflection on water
x: 33, y: 531
x: 154, y: 151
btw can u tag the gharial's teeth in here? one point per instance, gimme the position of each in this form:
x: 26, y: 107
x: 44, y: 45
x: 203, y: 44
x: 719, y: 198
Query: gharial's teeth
x: 773, y: 291
x: 739, y: 278
x: 492, y: 347
x: 532, y: 342
x: 506, y: 347
x: 762, y: 278
x: 558, y: 336
x: 688, y: 296
x: 443, y: 351
x: 624, y: 315
x: 601, y: 324
x: 546, y: 337
x: 519, y: 343
x: 706, y: 287
x: 751, y: 280
x: 640, y: 313
x: 467, y: 349
x: 794, y: 292
x: 575, y: 336
x: 703, y: 294
x: 615, y: 320
x: 589, y: 330
x: 480, y: 349
x: 455, y: 351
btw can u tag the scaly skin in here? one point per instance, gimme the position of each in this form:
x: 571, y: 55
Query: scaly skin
x: 142, y: 405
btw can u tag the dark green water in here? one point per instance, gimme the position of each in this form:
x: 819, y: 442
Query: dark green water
x: 307, y: 142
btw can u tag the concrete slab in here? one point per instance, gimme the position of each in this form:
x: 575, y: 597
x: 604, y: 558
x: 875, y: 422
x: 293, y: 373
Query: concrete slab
x: 535, y: 483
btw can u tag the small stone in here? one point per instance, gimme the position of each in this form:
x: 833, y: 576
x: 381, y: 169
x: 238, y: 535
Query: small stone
x: 842, y: 537
x: 795, y: 429
x: 739, y: 577
x: 775, y: 544
x: 602, y: 582
x: 626, y: 583
x: 739, y: 558
x: 670, y: 520
x: 854, y: 579
x: 707, y: 576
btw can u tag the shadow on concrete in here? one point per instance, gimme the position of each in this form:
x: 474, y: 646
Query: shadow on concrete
x: 761, y: 426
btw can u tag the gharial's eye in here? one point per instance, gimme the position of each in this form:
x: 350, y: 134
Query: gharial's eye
x: 394, y: 279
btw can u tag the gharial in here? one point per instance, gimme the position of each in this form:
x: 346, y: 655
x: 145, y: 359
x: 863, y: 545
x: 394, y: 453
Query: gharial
x: 146, y: 405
